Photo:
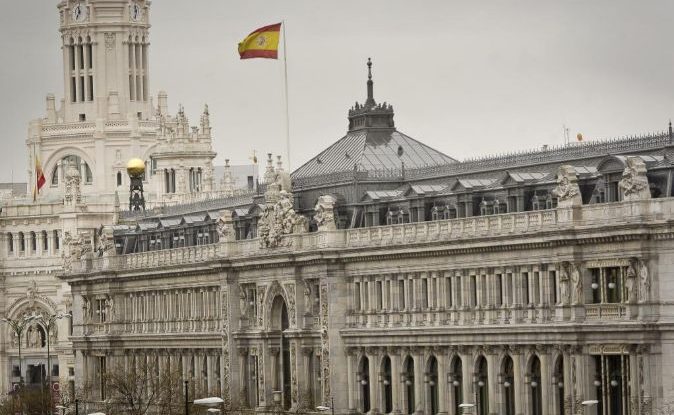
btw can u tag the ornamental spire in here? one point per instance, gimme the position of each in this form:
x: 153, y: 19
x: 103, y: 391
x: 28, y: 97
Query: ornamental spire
x: 369, y: 103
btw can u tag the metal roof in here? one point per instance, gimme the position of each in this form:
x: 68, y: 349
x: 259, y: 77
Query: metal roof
x: 369, y: 150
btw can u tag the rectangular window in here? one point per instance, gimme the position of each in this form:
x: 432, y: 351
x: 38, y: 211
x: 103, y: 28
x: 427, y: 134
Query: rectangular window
x: 81, y: 91
x: 555, y: 287
x: 525, y: 288
x: 595, y: 285
x: 401, y: 294
x: 57, y: 243
x: 71, y: 50
x: 380, y: 295
x: 102, y: 377
x: 448, y: 284
x: 473, y: 289
x: 498, y: 295
x: 613, y: 285
x: 90, y: 97
x: 73, y: 89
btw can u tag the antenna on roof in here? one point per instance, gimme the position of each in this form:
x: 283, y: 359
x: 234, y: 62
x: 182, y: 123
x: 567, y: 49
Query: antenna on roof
x: 670, y: 130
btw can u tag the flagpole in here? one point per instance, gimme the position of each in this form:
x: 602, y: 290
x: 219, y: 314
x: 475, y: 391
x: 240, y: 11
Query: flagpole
x: 285, y: 78
x: 35, y: 175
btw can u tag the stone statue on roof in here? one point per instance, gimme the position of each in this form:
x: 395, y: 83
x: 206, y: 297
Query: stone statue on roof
x: 325, y: 213
x: 567, y: 190
x: 634, y: 183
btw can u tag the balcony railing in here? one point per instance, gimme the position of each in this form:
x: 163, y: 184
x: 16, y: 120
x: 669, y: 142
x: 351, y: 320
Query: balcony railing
x: 461, y: 229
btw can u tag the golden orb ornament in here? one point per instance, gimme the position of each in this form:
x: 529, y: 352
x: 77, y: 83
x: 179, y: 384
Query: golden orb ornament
x: 135, y: 167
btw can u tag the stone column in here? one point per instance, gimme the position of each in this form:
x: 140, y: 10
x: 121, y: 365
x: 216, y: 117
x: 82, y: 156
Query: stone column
x: 419, y: 392
x: 546, y: 381
x: 373, y: 359
x: 352, y: 397
x: 467, y: 378
x: 443, y: 391
x: 492, y: 384
x: 274, y: 353
x: 518, y: 380
x: 15, y: 242
x: 210, y: 380
x: 243, y: 390
x: 396, y: 380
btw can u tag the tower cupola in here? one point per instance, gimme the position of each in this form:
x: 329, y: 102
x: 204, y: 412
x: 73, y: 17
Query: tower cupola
x: 371, y: 115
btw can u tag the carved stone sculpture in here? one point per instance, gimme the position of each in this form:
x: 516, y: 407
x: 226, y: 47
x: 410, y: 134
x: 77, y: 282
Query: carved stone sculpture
x: 577, y: 282
x: 567, y: 190
x: 225, y: 226
x: 243, y: 301
x: 645, y: 282
x: 279, y: 219
x: 634, y: 184
x: 73, y: 194
x: 564, y: 283
x: 325, y: 213
x: 106, y: 243
x: 631, y: 280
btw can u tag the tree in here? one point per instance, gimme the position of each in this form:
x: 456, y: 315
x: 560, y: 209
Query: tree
x: 146, y: 388
x: 28, y: 401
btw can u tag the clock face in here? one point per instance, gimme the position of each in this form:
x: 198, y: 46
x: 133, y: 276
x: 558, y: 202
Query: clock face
x: 136, y: 12
x: 79, y: 12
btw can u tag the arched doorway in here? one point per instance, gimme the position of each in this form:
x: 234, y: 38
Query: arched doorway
x: 279, y: 322
x: 364, y: 383
x: 482, y: 388
x: 432, y: 386
x: 408, y: 385
x: 508, y: 376
x: 387, y: 392
x: 456, y: 383
x: 535, y: 392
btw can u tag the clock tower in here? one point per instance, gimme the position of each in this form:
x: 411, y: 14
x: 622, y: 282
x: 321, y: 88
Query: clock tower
x: 105, y: 59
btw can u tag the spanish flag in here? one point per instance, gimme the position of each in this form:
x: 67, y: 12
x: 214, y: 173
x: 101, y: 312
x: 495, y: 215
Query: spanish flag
x: 262, y: 43
x: 39, y: 178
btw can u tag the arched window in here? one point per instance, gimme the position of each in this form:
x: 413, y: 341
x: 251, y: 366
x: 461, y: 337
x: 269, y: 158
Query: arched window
x: 10, y: 243
x: 432, y: 384
x: 364, y: 384
x: 535, y: 386
x: 482, y: 386
x: 57, y: 242
x: 45, y: 242
x: 455, y: 379
x: 508, y: 376
x: 408, y: 385
x: 33, y: 242
x: 22, y: 242
x: 55, y: 176
x: 387, y: 388
x: 119, y: 178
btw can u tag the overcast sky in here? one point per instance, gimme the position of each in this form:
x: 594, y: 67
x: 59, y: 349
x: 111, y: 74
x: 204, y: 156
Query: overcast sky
x: 467, y: 78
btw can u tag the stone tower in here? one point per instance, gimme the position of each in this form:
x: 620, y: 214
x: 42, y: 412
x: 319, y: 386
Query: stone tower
x: 105, y: 59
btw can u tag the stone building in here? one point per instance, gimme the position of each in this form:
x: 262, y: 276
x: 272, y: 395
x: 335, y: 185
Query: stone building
x: 382, y: 275
x: 387, y: 277
x: 83, y: 143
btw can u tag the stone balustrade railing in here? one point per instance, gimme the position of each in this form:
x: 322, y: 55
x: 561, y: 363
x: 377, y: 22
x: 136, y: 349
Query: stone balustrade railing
x: 520, y: 223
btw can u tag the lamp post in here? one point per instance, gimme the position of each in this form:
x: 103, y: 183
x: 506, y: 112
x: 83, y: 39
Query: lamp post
x: 48, y: 322
x: 18, y: 325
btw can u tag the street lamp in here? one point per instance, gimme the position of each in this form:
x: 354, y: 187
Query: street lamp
x: 17, y: 326
x: 48, y: 321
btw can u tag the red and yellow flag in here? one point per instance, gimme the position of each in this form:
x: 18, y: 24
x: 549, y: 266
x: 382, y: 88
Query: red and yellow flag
x: 39, y: 178
x: 262, y: 43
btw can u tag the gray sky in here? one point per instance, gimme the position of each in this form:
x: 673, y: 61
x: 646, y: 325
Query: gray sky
x: 467, y: 78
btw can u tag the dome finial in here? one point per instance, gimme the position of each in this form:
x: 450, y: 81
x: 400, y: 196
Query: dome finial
x: 370, y: 86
